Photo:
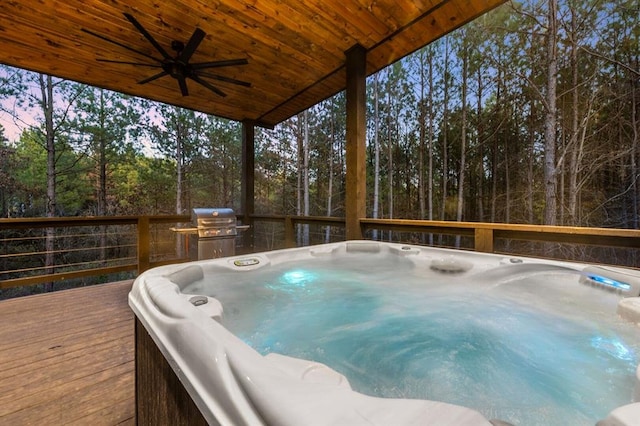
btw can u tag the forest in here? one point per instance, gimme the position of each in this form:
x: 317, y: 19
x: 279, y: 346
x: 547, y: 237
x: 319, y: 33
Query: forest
x: 527, y: 115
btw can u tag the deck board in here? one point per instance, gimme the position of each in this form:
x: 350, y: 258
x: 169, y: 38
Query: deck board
x: 68, y: 357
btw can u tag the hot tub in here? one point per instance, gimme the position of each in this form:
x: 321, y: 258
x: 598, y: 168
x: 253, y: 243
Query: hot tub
x: 363, y: 332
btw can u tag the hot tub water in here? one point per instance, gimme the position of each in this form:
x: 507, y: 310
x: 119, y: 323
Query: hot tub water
x: 526, y: 344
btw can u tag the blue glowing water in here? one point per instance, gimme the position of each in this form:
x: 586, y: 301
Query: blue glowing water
x: 537, y: 349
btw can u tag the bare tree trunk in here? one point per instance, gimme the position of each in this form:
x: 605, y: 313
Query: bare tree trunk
x: 179, y: 172
x: 46, y: 89
x: 285, y: 172
x: 530, y: 162
x: 332, y: 141
x: 507, y: 183
x: 376, y: 142
x: 531, y: 146
x: 226, y: 177
x: 430, y: 142
x: 102, y: 159
x: 560, y: 173
x: 422, y: 137
x: 102, y: 180
x: 390, y: 154
x: 480, y: 144
x: 573, y: 159
x: 635, y: 175
x: 550, y: 171
x: 390, y: 126
x: 445, y: 124
x: 463, y: 137
x: 494, y: 153
x: 305, y: 232
x: 299, y: 166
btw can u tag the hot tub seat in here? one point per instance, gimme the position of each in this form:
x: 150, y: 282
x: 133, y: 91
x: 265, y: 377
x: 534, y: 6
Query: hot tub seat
x: 296, y: 392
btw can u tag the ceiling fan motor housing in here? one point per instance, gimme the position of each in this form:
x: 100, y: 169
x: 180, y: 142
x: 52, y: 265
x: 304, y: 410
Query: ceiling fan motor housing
x: 178, y: 67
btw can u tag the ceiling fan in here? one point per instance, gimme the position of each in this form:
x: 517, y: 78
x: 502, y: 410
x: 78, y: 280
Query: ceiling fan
x: 177, y: 66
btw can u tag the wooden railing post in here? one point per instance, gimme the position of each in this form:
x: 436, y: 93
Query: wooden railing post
x: 289, y: 233
x: 483, y: 240
x: 144, y: 244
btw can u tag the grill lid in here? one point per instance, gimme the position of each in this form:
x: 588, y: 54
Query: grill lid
x: 212, y: 222
x: 213, y: 217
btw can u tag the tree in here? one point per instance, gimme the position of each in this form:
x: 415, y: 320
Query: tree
x: 178, y: 136
x: 550, y: 171
x: 13, y: 86
x: 464, y: 52
x: 8, y: 182
x: 146, y: 185
x: 54, y: 122
x: 107, y: 122
x: 446, y: 78
x: 214, y: 173
x: 426, y: 117
x: 376, y: 150
x: 305, y: 176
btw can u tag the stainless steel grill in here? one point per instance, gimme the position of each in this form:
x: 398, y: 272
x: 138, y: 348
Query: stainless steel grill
x: 212, y: 234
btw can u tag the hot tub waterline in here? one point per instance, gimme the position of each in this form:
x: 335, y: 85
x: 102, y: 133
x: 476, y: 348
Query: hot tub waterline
x: 484, y: 265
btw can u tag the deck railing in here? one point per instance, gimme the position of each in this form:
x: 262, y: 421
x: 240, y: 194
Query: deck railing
x: 599, y: 245
x: 46, y: 250
x: 99, y: 246
x: 484, y: 234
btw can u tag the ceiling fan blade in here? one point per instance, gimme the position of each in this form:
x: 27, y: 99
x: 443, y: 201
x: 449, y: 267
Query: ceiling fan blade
x: 129, y: 63
x: 182, y: 81
x: 225, y: 79
x: 120, y: 44
x: 153, y: 77
x: 218, y: 64
x: 148, y: 36
x: 192, y: 45
x: 208, y: 85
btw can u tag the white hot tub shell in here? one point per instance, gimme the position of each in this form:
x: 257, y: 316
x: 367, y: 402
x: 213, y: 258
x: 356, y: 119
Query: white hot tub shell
x: 232, y: 384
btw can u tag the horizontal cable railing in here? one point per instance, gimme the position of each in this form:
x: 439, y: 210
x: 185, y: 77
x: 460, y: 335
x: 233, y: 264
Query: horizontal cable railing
x: 485, y: 233
x: 599, y: 245
x: 285, y: 230
x: 48, y: 250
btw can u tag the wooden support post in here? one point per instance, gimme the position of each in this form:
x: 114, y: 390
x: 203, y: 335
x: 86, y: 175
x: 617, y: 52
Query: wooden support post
x: 356, y: 185
x: 144, y: 244
x: 289, y: 233
x: 247, y: 187
x: 483, y: 240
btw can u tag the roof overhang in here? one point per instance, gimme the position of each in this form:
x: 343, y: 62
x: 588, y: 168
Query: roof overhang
x: 295, y: 49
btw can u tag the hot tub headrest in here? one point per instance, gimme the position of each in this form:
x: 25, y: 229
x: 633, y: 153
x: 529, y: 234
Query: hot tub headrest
x: 186, y: 276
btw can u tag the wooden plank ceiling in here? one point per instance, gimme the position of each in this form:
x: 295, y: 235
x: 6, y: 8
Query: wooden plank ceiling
x: 294, y: 48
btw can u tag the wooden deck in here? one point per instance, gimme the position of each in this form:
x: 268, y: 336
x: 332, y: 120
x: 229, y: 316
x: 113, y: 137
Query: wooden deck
x: 68, y: 358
